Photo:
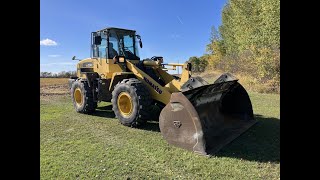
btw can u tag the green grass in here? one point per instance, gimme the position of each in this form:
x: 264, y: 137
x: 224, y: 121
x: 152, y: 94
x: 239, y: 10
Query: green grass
x: 78, y: 146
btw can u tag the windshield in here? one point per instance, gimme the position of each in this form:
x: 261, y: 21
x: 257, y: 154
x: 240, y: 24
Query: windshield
x: 123, y: 43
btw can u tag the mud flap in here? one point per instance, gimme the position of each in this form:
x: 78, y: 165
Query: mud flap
x: 207, y: 118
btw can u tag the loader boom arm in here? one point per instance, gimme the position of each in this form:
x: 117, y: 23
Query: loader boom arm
x: 157, y: 91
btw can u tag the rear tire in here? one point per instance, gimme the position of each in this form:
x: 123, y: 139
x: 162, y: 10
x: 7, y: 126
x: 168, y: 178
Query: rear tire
x: 82, y: 97
x: 131, y: 102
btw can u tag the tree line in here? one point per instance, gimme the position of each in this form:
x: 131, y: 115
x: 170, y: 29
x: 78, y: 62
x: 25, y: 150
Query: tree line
x: 62, y: 74
x: 247, y: 42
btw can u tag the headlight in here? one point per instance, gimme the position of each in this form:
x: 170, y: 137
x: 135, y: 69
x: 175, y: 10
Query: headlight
x: 121, y: 59
x: 87, y: 64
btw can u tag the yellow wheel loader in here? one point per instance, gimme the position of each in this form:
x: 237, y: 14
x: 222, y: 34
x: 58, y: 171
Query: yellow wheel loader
x: 192, y: 113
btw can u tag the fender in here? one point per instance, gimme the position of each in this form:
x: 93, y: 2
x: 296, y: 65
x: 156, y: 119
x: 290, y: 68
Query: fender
x: 116, y: 77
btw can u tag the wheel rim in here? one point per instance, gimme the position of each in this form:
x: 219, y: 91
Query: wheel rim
x: 78, y: 96
x: 125, y: 104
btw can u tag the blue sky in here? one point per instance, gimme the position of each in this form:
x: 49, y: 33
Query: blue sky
x: 173, y: 29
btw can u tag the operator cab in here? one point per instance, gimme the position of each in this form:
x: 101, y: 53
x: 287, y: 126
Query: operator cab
x: 112, y: 42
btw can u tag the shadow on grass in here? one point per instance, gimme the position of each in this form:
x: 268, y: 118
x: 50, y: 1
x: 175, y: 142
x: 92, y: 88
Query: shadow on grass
x: 260, y: 143
x: 104, y: 111
x: 151, y: 126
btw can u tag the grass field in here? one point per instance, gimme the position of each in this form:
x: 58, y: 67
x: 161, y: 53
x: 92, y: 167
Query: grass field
x: 78, y: 146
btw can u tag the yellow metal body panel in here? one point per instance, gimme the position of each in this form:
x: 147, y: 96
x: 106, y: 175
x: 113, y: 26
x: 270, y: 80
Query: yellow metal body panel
x: 104, y: 67
x: 174, y: 86
x: 151, y: 63
x: 117, y: 74
x: 107, y: 69
x: 175, y: 64
x: 165, y: 95
x: 185, y: 74
x: 171, y: 86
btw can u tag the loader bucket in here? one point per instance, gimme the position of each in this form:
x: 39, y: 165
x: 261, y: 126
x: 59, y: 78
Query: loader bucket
x: 207, y: 118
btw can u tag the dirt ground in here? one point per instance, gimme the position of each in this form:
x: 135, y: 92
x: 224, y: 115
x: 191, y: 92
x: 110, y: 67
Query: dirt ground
x: 52, y: 87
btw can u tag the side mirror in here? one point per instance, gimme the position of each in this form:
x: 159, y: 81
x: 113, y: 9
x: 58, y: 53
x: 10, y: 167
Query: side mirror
x: 97, y: 40
x: 74, y: 58
x: 140, y: 42
x: 189, y: 67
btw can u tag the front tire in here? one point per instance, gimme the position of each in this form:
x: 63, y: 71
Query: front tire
x: 131, y: 102
x: 82, y: 97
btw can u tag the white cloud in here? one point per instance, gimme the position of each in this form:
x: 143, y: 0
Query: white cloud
x: 48, y: 42
x: 54, y: 55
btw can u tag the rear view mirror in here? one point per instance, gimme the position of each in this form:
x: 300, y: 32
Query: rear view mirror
x: 97, y: 40
x: 140, y: 42
x: 189, y: 67
x: 74, y: 58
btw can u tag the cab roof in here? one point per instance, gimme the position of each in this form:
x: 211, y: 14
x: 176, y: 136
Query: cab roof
x: 115, y: 28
